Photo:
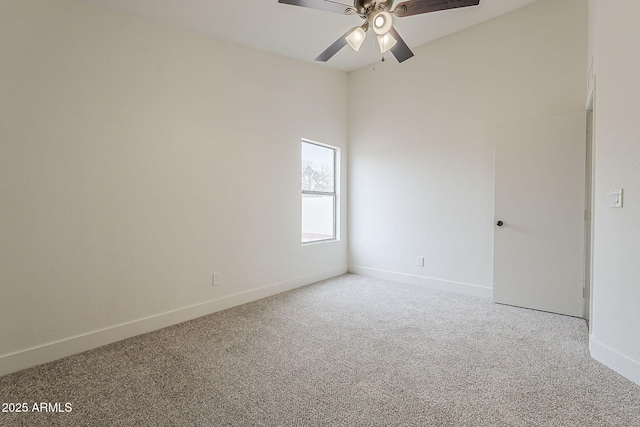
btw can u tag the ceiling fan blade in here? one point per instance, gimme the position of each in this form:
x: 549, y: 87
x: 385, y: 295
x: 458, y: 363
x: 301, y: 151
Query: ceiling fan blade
x: 327, y: 5
x: 335, y: 47
x: 416, y: 7
x: 400, y: 50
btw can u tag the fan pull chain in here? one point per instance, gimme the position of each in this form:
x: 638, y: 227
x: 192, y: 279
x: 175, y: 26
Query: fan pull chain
x: 373, y: 61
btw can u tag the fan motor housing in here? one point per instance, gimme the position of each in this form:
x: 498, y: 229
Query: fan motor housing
x: 363, y: 5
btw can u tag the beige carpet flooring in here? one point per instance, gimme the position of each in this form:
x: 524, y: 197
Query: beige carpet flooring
x: 350, y: 351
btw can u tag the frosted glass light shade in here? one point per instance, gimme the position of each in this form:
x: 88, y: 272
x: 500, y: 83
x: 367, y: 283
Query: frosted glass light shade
x: 382, y: 22
x: 356, y: 38
x: 386, y: 42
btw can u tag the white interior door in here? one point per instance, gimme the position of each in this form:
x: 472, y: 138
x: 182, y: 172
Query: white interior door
x: 540, y: 204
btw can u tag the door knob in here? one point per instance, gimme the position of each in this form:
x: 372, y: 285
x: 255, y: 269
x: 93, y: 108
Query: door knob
x: 499, y: 223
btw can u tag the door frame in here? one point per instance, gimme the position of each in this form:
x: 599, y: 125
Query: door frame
x: 589, y: 201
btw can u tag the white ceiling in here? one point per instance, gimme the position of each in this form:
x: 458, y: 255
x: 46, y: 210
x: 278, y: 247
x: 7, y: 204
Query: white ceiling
x: 299, y: 32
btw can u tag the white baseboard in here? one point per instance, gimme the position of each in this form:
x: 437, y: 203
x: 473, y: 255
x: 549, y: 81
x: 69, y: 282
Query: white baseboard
x: 49, y: 352
x: 443, y: 285
x: 615, y: 360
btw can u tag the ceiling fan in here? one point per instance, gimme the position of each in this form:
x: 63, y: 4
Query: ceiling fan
x: 379, y: 16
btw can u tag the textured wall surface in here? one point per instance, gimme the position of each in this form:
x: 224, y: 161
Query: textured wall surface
x: 616, y: 288
x: 137, y: 160
x: 421, y: 139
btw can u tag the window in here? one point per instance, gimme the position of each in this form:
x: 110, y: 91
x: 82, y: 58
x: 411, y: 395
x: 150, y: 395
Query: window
x: 319, y: 202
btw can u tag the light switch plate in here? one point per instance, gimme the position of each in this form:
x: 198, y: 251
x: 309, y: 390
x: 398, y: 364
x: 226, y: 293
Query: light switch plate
x: 616, y: 198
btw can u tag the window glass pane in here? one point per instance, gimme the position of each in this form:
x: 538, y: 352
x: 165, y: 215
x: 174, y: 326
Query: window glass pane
x: 317, y: 168
x: 317, y: 218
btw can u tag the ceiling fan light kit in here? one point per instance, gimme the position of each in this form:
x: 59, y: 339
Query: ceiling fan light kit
x: 379, y: 15
x: 356, y: 38
x: 382, y: 22
x: 386, y: 42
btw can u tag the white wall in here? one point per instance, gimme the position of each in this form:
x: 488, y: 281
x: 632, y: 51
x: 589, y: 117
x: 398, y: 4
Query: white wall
x: 135, y: 161
x: 421, y: 140
x: 615, y: 43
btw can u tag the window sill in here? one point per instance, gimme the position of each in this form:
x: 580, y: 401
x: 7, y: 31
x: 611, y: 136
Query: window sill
x: 319, y: 242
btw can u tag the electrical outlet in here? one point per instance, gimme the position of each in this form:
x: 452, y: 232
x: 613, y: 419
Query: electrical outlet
x: 420, y: 261
x: 217, y: 279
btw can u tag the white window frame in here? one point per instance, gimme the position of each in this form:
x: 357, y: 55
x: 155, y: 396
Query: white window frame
x: 334, y: 193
